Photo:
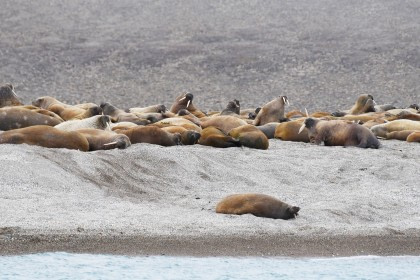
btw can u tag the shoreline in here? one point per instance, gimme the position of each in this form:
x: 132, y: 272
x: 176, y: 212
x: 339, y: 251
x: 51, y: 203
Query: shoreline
x: 214, y: 246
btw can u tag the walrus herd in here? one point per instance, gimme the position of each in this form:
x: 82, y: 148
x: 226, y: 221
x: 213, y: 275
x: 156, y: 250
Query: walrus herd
x: 50, y: 123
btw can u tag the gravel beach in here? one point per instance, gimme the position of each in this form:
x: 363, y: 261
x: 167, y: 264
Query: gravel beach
x: 154, y: 200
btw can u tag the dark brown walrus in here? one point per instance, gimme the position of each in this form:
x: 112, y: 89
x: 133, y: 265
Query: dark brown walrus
x: 250, y: 136
x: 45, y: 136
x: 184, y: 101
x: 212, y: 136
x: 339, y: 133
x: 259, y: 205
x: 104, y: 139
x: 8, y: 96
x: 152, y: 135
x: 19, y: 117
x: 188, y: 137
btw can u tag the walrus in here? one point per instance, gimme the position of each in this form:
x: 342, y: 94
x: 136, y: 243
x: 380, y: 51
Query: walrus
x: 118, y: 115
x: 65, y: 111
x: 381, y: 130
x: 18, y: 117
x: 251, y: 114
x: 184, y: 101
x: 408, y: 116
x: 45, y: 136
x: 232, y: 108
x: 178, y: 121
x: 339, y: 133
x: 98, y: 122
x: 224, y: 123
x: 273, y: 111
x: 268, y: 129
x: 371, y: 123
x: 8, y: 96
x: 364, y: 104
x: 399, y: 135
x: 414, y: 137
x: 122, y: 125
x: 289, y: 131
x: 250, y: 136
x: 188, y: 137
x: 104, y: 140
x: 212, y: 136
x: 158, y: 108
x: 151, y: 135
x: 259, y: 205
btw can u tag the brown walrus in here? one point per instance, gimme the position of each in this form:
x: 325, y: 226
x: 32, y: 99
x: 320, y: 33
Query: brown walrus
x: 184, y: 101
x: 250, y: 136
x: 273, y: 111
x: 408, y: 116
x: 8, y: 96
x: 212, y: 136
x: 414, y: 137
x: 119, y: 115
x: 289, y: 131
x: 104, y: 140
x: 224, y: 123
x: 65, y: 111
x: 188, y: 137
x: 339, y: 133
x: 259, y: 205
x: 399, y: 135
x: 364, y: 104
x: 151, y: 135
x: 45, y: 136
x: 19, y: 117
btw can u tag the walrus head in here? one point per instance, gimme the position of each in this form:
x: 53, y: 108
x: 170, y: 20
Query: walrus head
x: 284, y: 99
x: 186, y: 99
x: 253, y: 115
x: 105, y: 122
x: 190, y: 137
x: 234, y: 106
x: 8, y: 96
x: 309, y: 123
x: 94, y: 111
x: 107, y: 108
x: 414, y: 106
x: 161, y: 108
x: 291, y: 212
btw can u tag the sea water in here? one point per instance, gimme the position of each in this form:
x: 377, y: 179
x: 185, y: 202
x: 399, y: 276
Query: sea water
x: 88, y: 266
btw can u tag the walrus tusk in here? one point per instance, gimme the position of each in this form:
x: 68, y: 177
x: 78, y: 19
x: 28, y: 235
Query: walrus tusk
x: 112, y: 143
x: 182, y: 98
x: 14, y: 93
x: 285, y: 101
x: 108, y: 126
x: 188, y: 104
x: 302, y: 128
x: 306, y: 111
x: 374, y: 102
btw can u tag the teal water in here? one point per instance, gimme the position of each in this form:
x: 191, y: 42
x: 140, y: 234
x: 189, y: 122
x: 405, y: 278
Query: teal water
x: 86, y: 266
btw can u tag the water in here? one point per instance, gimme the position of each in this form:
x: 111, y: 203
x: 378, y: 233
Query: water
x: 85, y: 266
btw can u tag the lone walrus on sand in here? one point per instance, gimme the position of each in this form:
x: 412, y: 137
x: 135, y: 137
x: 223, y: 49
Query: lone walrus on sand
x: 259, y: 205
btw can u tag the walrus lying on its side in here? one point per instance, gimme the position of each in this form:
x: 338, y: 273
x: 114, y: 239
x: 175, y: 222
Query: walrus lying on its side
x: 339, y: 133
x: 259, y: 205
x: 45, y: 136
